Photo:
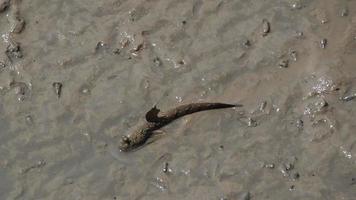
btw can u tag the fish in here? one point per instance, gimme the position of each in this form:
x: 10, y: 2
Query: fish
x: 155, y: 120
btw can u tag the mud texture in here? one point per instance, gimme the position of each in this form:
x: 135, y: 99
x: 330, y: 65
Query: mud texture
x: 76, y: 75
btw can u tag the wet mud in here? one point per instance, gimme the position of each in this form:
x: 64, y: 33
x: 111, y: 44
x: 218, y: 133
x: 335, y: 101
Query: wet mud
x: 75, y: 76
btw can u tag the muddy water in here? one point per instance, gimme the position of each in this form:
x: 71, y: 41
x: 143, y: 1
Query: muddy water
x: 77, y: 75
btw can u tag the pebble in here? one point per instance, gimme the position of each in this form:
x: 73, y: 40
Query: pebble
x: 85, y: 91
x: 263, y: 106
x: 166, y: 168
x: 348, y: 97
x: 57, y: 86
x: 13, y: 50
x: 157, y: 61
x: 344, y: 12
x: 269, y: 166
x: 116, y: 51
x: 296, y: 5
x: 323, y: 43
x: 295, y: 176
x: 29, y: 120
x: 246, y: 43
x: 300, y: 124
x: 251, y: 122
x: 266, y: 27
x: 283, y: 63
x: 293, y: 55
x: 2, y: 66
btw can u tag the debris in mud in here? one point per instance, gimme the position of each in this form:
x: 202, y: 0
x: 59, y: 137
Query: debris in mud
x: 221, y: 147
x: 85, y: 90
x: 323, y: 43
x: 251, y: 122
x: 322, y: 86
x: 37, y: 165
x: 262, y: 106
x: 344, y: 12
x: 299, y: 34
x: 160, y: 184
x: 348, y: 97
x: 13, y: 50
x: 21, y: 89
x: 318, y: 106
x: 246, y: 43
x: 2, y: 66
x: 157, y: 61
x: 19, y: 25
x: 100, y: 46
x: 296, y: 5
x: 266, y: 27
x: 295, y: 176
x: 293, y: 54
x: 57, y: 86
x: 166, y: 168
x: 137, y: 49
x: 300, y: 124
x: 292, y: 187
x: 116, y: 51
x: 29, y: 120
x: 269, y: 166
x: 4, y: 4
x: 283, y: 63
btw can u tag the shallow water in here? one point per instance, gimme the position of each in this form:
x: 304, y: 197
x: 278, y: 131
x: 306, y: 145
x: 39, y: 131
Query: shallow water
x: 293, y: 139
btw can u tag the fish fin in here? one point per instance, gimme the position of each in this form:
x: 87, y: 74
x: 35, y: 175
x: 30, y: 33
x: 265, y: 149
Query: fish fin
x: 152, y: 115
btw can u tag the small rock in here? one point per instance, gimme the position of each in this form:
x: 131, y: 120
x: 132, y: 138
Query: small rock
x: 299, y: 34
x: 251, y: 122
x: 57, y: 86
x: 266, y: 27
x: 263, y: 106
x: 295, y: 176
x: 289, y: 166
x: 166, y: 168
x: 100, y: 46
x: 283, y: 63
x: 296, y: 5
x: 348, y: 97
x: 29, y: 120
x: 117, y: 51
x: 13, y: 50
x: 300, y: 124
x: 269, y: 166
x: 157, y: 61
x: 2, y: 66
x: 353, y: 181
x: 292, y: 187
x: 293, y: 55
x: 344, y: 12
x: 246, y: 43
x: 323, y: 43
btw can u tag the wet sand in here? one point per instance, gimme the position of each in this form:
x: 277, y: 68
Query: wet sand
x: 75, y: 76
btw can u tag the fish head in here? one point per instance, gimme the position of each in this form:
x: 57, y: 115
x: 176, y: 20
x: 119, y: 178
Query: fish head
x: 125, y: 143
